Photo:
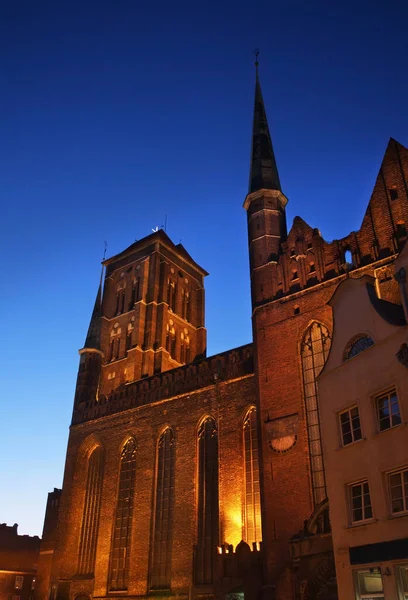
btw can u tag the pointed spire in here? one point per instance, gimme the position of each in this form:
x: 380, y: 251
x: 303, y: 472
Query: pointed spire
x: 93, y: 337
x: 264, y: 172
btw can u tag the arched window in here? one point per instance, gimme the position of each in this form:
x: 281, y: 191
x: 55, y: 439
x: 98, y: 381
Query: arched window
x: 114, y: 345
x: 129, y: 332
x: 358, y: 344
x: 171, y: 338
x: 90, y: 517
x: 160, y: 577
x: 184, y: 346
x: 315, y: 349
x: 207, y: 497
x: 253, y: 531
x: 122, y: 529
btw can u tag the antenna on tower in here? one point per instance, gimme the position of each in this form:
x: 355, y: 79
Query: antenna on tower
x: 105, y: 246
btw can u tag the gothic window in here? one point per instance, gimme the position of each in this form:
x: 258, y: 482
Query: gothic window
x: 120, y: 552
x: 184, y: 346
x: 357, y: 345
x: 171, y: 338
x: 314, y: 351
x: 90, y: 517
x: 160, y: 577
x: 207, y: 509
x: 253, y: 531
x: 114, y: 344
x: 185, y: 304
x: 129, y: 332
x: 135, y: 292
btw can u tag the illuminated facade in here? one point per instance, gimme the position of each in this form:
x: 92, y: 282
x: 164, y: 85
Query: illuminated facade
x: 203, y: 477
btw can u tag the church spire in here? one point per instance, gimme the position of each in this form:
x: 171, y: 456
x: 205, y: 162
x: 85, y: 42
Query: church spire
x: 93, y: 337
x: 264, y: 172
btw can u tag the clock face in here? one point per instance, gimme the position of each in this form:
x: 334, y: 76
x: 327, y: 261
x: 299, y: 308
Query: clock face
x: 282, y: 445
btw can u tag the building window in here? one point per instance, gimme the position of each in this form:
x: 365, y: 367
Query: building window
x: 120, y: 553
x: 315, y: 349
x: 402, y: 581
x: 18, y: 584
x: 253, y: 531
x: 90, y: 517
x: 163, y: 523
x: 398, y: 485
x: 360, y: 502
x: 368, y: 584
x: 388, y: 411
x: 114, y: 345
x: 393, y: 192
x: 184, y: 346
x: 350, y: 426
x: 33, y: 583
x: 357, y: 345
x: 171, y: 339
x: 207, y: 496
x: 171, y: 294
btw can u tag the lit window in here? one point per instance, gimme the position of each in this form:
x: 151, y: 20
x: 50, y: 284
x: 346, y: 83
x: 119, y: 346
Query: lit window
x: 368, y: 584
x: 33, y: 583
x: 350, y: 426
x: 18, y: 585
x: 253, y: 531
x: 357, y: 345
x: 402, y: 581
x: 388, y: 411
x: 360, y: 502
x: 398, y: 485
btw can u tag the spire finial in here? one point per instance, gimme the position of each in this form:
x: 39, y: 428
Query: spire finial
x: 256, y: 52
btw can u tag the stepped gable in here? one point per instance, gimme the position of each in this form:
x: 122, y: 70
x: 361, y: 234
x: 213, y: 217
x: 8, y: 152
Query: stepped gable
x: 306, y: 259
x: 220, y: 368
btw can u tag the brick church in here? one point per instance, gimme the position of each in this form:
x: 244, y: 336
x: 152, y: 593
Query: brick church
x: 200, y: 477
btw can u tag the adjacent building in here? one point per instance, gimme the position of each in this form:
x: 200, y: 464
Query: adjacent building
x: 18, y: 563
x: 203, y: 477
x: 363, y: 395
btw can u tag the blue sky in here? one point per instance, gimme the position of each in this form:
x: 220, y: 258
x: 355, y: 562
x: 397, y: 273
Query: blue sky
x: 117, y: 113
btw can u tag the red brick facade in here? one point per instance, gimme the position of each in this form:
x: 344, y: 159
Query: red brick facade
x: 143, y: 369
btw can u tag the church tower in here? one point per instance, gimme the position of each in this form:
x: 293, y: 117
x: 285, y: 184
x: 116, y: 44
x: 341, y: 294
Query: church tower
x: 150, y: 319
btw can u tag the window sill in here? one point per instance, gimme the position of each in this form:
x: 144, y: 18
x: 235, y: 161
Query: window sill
x: 352, y: 444
x: 361, y: 523
x: 398, y: 515
x: 378, y: 432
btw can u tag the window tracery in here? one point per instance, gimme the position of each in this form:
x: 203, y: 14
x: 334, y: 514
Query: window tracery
x: 314, y: 351
x: 120, y: 552
x: 253, y: 532
x: 90, y: 517
x: 160, y: 577
x: 207, y: 509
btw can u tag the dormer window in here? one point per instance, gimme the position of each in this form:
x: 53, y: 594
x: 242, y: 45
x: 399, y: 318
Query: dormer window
x: 357, y: 345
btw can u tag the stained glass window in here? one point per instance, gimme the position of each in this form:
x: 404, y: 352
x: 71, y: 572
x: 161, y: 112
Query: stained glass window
x: 315, y: 349
x: 90, y: 518
x: 120, y: 554
x: 253, y: 532
x: 207, y: 513
x: 163, y: 524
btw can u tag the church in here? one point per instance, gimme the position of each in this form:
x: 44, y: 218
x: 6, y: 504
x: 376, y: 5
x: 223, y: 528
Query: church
x: 196, y: 477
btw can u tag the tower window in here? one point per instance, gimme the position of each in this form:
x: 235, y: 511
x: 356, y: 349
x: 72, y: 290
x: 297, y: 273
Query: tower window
x: 348, y: 258
x: 120, y: 552
x: 295, y: 275
x: 393, y: 192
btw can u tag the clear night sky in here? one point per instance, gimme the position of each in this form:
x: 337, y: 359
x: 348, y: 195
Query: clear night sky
x: 116, y: 113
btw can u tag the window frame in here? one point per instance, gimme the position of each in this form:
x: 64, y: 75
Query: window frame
x: 342, y: 412
x: 379, y: 396
x: 365, y: 519
x: 19, y: 582
x: 389, y: 474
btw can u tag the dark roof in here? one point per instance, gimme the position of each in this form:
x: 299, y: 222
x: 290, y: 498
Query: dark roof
x: 390, y: 312
x: 263, y: 170
x: 93, y: 337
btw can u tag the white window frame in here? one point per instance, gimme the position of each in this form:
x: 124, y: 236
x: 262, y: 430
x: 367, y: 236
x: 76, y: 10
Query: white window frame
x: 348, y: 411
x: 350, y: 487
x: 404, y: 497
x: 368, y: 595
x: 387, y: 393
x: 402, y: 594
